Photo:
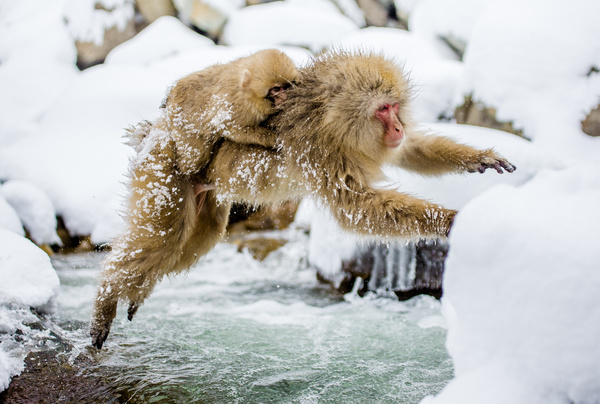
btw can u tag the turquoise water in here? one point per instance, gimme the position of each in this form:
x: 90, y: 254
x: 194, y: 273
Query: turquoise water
x: 234, y: 330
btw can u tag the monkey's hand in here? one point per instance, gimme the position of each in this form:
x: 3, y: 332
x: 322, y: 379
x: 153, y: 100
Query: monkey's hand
x: 99, y: 331
x: 489, y: 159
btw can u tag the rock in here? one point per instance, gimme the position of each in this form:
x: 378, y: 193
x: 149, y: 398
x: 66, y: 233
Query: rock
x: 379, y: 13
x: 208, y: 16
x: 151, y: 10
x: 91, y: 52
x: 50, y: 377
x: 477, y: 114
x: 259, y: 247
x: 255, y: 2
x: 591, y: 123
x: 407, y: 269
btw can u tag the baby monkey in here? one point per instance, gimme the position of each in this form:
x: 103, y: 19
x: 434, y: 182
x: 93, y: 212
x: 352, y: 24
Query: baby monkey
x: 230, y: 101
x: 168, y: 176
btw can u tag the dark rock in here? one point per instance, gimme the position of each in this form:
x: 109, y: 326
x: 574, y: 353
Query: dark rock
x: 259, y: 247
x: 49, y: 377
x: 407, y: 269
x: 477, y: 114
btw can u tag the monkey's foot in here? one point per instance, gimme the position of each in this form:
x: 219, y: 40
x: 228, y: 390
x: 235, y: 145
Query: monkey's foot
x: 99, y: 331
x: 497, y: 163
x: 133, y: 308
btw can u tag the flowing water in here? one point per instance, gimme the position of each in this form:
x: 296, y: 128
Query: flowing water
x: 235, y: 330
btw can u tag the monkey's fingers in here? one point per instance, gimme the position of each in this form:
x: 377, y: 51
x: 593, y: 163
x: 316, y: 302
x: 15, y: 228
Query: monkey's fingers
x: 508, y: 166
x: 99, y: 333
x: 133, y: 308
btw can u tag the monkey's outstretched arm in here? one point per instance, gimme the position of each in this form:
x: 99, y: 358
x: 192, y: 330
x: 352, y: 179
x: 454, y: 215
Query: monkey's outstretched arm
x: 435, y: 155
x: 385, y: 213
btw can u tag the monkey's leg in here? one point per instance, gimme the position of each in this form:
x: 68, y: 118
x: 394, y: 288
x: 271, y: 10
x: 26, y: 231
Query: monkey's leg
x: 209, y: 228
x: 434, y: 155
x: 160, y: 218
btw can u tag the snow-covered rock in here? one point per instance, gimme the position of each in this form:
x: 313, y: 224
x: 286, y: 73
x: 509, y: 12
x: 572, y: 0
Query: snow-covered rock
x: 521, y: 288
x: 28, y: 279
x: 313, y: 24
x: 443, y: 21
x: 77, y: 156
x: 165, y: 37
x: 539, y: 74
x: 9, y: 218
x: 35, y: 210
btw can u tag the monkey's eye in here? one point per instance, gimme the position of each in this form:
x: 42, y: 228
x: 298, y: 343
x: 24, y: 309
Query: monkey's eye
x: 276, y: 89
x: 384, y: 107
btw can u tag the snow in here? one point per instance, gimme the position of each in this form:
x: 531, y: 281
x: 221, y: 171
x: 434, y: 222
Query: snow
x: 521, y: 279
x: 521, y: 289
x: 9, y: 219
x: 35, y: 210
x: 28, y: 281
x: 155, y: 42
x: 436, y: 19
x: 87, y: 20
x: 288, y: 24
x: 28, y: 278
x: 538, y: 65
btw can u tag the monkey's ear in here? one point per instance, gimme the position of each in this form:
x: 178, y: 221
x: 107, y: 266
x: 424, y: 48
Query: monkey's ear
x: 246, y: 77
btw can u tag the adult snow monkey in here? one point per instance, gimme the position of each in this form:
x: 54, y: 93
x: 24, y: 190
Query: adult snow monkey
x: 168, y: 175
x: 347, y: 117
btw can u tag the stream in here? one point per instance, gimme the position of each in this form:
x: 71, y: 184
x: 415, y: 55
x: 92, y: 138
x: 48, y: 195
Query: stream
x: 235, y: 330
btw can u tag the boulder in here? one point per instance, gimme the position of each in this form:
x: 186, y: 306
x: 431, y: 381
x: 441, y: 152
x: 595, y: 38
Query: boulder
x: 151, y: 10
x: 476, y: 113
x: 407, y: 269
x: 591, y: 123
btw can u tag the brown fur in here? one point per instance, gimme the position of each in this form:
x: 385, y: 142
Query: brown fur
x: 331, y: 147
x: 225, y: 101
x: 167, y: 229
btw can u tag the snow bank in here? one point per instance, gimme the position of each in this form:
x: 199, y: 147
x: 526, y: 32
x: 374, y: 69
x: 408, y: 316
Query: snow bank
x: 28, y: 281
x: 165, y: 37
x: 434, y: 78
x: 313, y: 24
x: 521, y: 287
x: 87, y: 20
x: 76, y: 156
x: 436, y: 19
x: 34, y: 67
x: 539, y: 73
x: 9, y: 218
x: 35, y: 210
x: 28, y: 278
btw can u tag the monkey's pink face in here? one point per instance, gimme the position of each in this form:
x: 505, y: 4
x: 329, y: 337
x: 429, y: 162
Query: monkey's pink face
x: 387, y: 114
